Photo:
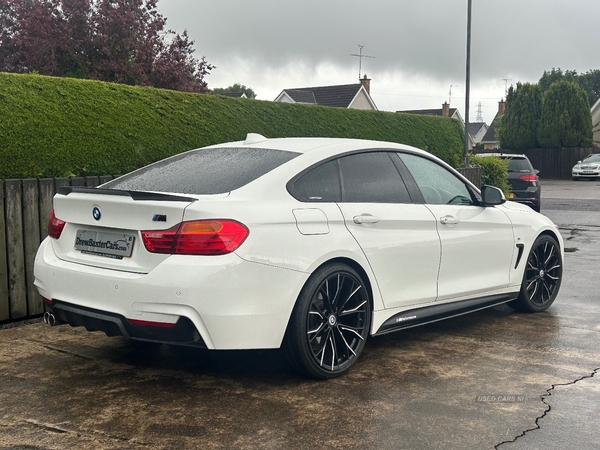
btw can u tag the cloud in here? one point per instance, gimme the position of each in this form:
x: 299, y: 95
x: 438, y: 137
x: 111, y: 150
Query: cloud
x: 419, y: 45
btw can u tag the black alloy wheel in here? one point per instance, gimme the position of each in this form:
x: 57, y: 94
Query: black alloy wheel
x: 330, y: 323
x: 542, y: 277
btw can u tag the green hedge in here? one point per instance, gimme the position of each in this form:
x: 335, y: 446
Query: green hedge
x: 495, y: 171
x: 51, y: 127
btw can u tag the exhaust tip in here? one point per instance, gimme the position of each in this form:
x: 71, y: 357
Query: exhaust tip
x: 49, y: 319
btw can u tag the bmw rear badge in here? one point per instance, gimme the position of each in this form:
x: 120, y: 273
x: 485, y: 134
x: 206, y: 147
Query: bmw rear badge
x: 96, y: 213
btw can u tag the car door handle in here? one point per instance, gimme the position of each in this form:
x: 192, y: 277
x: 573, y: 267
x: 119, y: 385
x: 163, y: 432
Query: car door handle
x: 449, y: 220
x: 366, y: 218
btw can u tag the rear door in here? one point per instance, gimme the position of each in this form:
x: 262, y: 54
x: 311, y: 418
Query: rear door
x: 398, y: 237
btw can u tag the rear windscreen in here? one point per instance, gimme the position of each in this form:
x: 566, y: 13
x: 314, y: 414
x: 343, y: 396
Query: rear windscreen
x: 518, y: 165
x: 204, y: 171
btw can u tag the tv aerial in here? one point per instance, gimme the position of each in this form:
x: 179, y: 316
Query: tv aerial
x: 360, y: 56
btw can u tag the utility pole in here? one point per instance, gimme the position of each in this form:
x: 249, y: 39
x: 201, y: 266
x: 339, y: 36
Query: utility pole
x: 360, y: 57
x: 468, y: 88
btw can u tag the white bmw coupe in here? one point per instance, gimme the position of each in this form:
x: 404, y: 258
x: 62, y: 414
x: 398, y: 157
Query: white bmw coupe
x: 308, y: 244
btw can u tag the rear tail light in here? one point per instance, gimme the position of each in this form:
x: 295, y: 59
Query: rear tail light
x: 55, y: 226
x: 198, y: 237
x: 528, y: 177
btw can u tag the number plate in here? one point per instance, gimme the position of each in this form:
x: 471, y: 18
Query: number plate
x: 113, y: 245
x: 511, y: 195
x: 588, y: 172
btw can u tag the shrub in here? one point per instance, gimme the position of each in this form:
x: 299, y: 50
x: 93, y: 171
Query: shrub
x: 495, y: 171
x: 54, y: 127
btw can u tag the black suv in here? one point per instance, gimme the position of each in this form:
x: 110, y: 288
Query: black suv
x: 523, y: 179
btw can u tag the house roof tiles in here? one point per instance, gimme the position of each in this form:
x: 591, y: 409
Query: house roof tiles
x: 474, y: 127
x: 340, y: 96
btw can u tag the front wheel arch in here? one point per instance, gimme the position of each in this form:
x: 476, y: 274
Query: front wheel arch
x: 542, y: 275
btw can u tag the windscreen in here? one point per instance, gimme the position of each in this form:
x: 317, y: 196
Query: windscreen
x: 204, y: 171
x: 592, y: 158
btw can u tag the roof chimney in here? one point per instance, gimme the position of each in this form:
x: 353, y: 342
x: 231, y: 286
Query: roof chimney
x: 366, y: 82
x: 501, y: 107
x: 445, y: 109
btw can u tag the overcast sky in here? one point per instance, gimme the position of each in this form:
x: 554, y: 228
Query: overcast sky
x: 419, y: 46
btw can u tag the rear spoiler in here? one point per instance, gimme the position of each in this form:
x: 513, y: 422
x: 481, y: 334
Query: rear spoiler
x: 135, y: 195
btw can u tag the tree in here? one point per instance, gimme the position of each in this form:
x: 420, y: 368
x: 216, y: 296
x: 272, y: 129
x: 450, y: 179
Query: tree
x: 236, y: 88
x: 589, y: 81
x: 122, y: 41
x: 554, y: 75
x: 566, y: 119
x: 522, y: 117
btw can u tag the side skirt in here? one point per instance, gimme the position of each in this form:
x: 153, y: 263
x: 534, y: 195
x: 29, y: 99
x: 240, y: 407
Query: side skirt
x: 420, y: 316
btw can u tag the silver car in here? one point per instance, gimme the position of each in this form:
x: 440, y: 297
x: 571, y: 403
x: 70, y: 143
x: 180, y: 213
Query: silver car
x: 588, y: 168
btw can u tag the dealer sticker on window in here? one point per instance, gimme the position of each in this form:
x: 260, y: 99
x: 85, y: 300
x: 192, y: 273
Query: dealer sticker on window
x: 112, y: 245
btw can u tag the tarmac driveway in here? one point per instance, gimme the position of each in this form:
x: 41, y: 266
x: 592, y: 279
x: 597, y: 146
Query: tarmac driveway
x: 476, y: 382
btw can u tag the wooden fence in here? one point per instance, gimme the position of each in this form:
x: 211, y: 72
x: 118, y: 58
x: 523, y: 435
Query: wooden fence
x: 556, y: 163
x: 473, y: 174
x: 25, y: 207
x: 553, y: 163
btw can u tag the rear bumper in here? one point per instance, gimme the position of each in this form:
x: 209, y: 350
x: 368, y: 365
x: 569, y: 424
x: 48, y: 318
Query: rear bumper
x: 231, y: 303
x: 182, y: 332
x: 532, y: 203
x: 530, y: 197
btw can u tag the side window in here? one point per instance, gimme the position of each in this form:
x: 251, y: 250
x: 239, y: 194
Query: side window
x: 321, y: 184
x: 371, y: 178
x: 438, y: 185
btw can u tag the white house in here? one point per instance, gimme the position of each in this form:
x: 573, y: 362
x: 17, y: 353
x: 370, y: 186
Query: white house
x: 354, y: 96
x: 445, y: 111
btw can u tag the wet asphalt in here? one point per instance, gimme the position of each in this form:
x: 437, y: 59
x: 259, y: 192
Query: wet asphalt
x: 491, y: 379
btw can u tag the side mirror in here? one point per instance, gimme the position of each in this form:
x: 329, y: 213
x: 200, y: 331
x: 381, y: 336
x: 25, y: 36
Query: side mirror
x: 537, y: 172
x: 578, y: 162
x: 492, y: 196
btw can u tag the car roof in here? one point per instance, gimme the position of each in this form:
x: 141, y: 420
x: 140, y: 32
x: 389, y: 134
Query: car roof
x: 324, y: 147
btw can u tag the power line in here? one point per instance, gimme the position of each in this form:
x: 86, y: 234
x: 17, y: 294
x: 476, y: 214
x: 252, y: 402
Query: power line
x: 429, y: 96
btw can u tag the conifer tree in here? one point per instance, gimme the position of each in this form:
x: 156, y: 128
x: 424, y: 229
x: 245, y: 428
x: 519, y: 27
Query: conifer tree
x: 566, y: 119
x: 522, y: 117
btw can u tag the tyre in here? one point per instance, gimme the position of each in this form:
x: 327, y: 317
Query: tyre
x: 542, y: 277
x: 330, y: 323
x: 575, y: 178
